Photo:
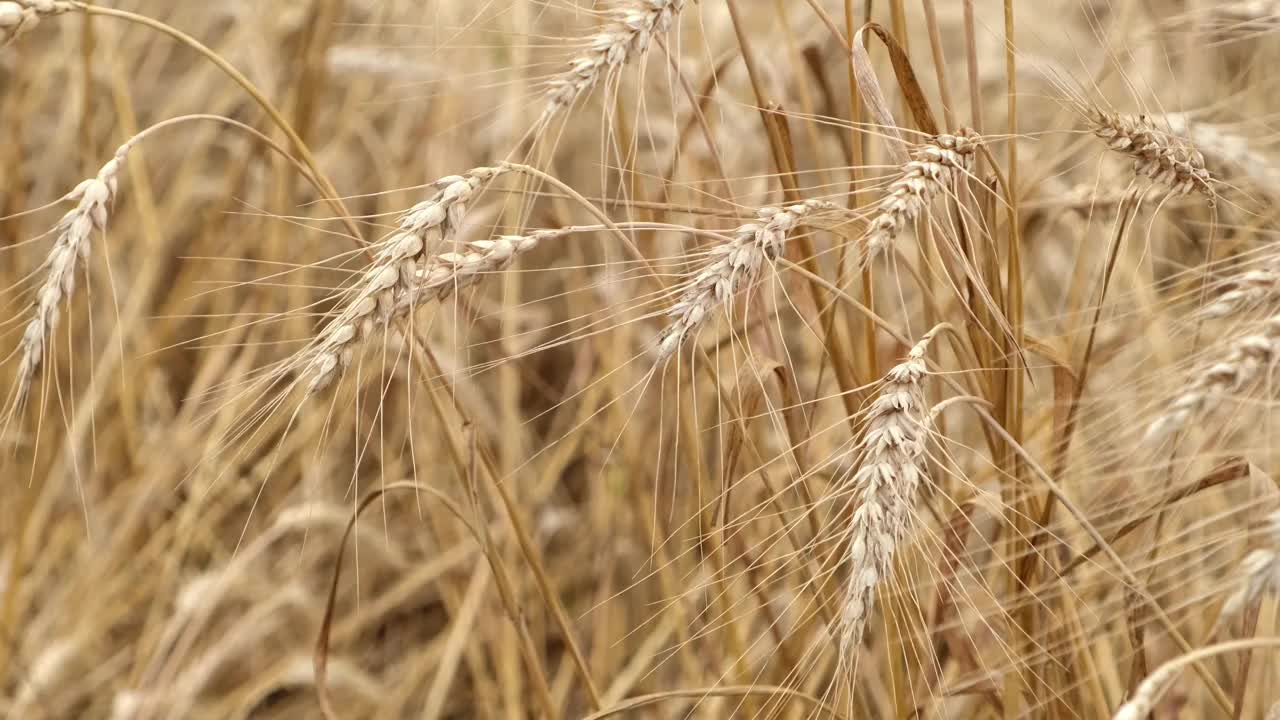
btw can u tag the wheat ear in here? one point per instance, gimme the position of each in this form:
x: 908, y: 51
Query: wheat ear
x: 385, y: 288
x: 1246, y: 291
x: 885, y: 486
x: 1259, y: 572
x: 627, y: 36
x: 734, y: 266
x: 21, y: 16
x: 407, y: 270
x: 1247, y: 360
x: 1160, y: 156
x: 71, y: 250
x: 934, y: 167
x: 1226, y: 148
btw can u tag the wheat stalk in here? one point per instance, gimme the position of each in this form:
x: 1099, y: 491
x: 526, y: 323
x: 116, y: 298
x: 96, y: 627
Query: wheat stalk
x: 734, y: 266
x: 934, y: 167
x: 21, y: 16
x: 1160, y: 156
x: 1246, y: 361
x: 70, y: 250
x: 627, y: 36
x: 885, y: 485
x: 1148, y: 693
x: 1153, y: 686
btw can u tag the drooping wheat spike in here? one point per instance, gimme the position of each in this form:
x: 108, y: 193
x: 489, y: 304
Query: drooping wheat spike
x: 21, y: 16
x: 390, y: 284
x: 1248, y: 359
x: 734, y: 266
x: 934, y: 167
x: 1158, y: 155
x: 70, y: 250
x: 1246, y: 291
x: 1223, y: 147
x: 628, y: 35
x: 885, y: 484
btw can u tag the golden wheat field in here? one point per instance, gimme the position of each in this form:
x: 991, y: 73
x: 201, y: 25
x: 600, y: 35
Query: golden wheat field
x: 572, y: 359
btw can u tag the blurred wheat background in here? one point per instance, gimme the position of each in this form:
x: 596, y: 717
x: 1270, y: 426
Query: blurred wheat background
x: 639, y: 359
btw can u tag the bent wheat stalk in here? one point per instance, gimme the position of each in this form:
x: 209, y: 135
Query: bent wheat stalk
x: 1153, y: 687
x: 934, y: 167
x: 734, y: 266
x: 885, y: 487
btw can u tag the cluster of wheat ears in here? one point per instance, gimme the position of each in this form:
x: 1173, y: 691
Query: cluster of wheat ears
x: 767, y: 359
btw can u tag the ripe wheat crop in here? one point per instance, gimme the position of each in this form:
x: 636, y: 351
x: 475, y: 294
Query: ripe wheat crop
x: 572, y: 359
